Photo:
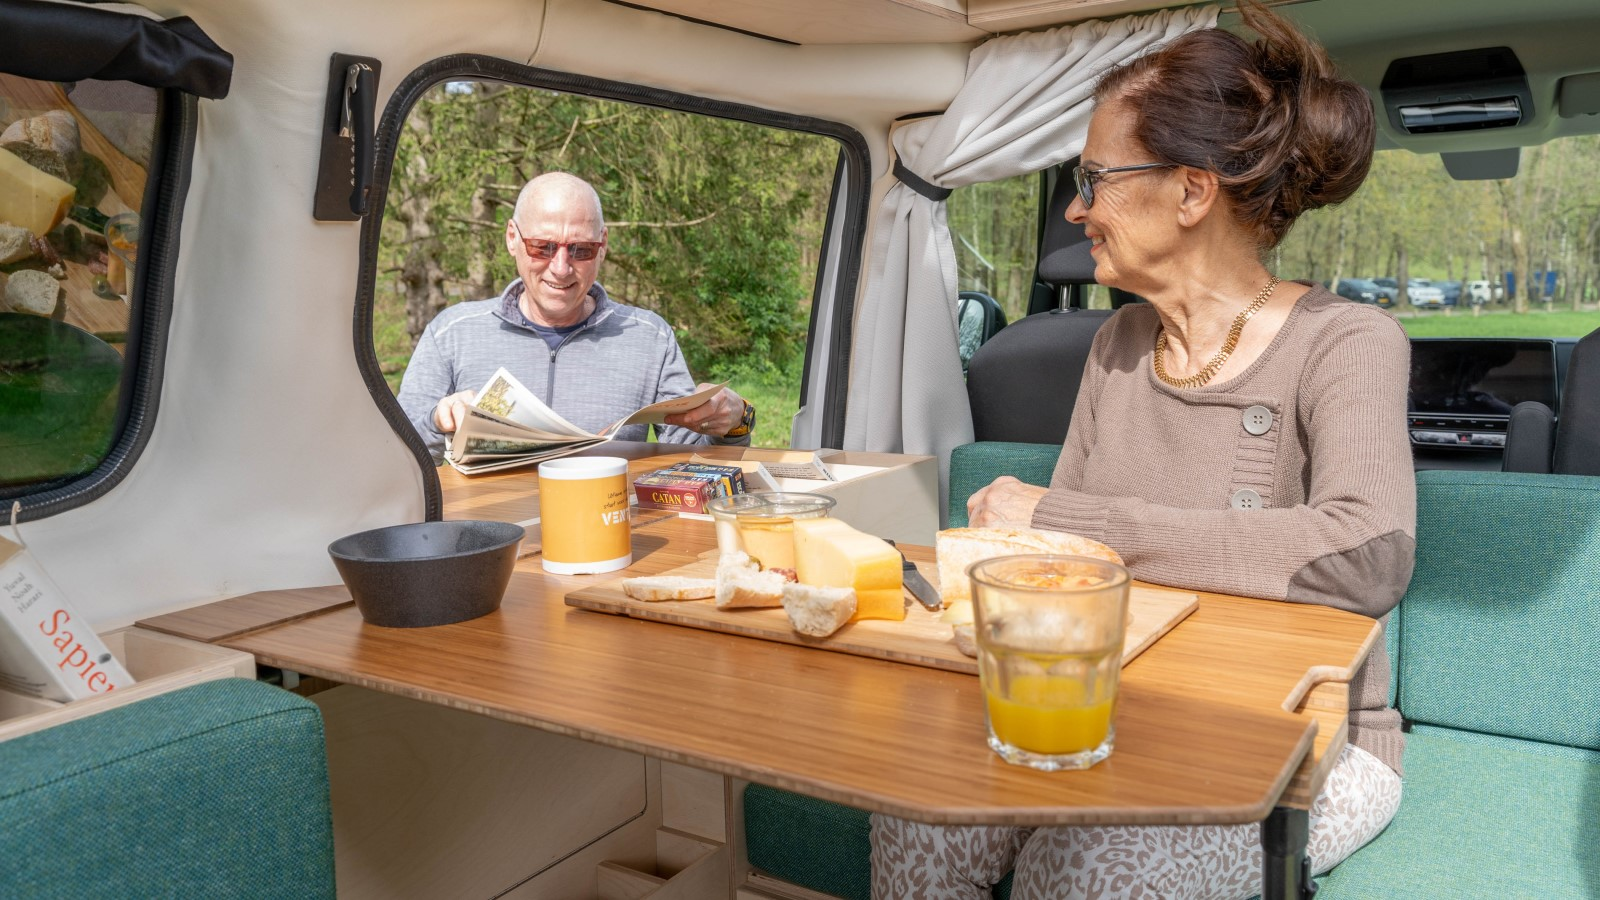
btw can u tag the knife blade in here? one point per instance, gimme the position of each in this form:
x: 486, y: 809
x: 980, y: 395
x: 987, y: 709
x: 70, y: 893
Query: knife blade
x: 925, y: 593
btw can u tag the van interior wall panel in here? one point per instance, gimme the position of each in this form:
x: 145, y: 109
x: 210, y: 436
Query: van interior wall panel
x: 267, y: 445
x: 863, y: 86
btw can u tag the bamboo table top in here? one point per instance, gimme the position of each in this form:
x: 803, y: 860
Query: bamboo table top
x: 1217, y: 721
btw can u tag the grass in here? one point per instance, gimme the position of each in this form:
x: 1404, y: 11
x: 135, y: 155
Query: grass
x: 1535, y: 323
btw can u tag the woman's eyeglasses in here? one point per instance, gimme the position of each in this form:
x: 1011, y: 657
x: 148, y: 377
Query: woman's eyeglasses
x: 1085, y: 178
x: 577, y: 251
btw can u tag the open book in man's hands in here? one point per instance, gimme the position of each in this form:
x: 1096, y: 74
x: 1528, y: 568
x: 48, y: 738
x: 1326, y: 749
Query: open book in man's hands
x: 507, y: 426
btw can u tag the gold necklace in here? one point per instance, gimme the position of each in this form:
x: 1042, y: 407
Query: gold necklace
x: 1203, y: 376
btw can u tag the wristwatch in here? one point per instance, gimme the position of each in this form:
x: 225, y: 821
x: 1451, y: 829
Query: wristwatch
x: 747, y: 422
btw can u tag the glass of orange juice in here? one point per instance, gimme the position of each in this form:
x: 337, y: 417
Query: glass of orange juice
x: 1049, y: 634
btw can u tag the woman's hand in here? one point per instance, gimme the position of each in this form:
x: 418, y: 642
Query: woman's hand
x: 1005, y: 502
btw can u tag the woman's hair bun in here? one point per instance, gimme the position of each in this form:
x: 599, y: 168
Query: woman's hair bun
x: 1284, y: 132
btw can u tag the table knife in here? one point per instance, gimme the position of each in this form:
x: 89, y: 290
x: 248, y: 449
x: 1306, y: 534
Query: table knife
x: 925, y: 593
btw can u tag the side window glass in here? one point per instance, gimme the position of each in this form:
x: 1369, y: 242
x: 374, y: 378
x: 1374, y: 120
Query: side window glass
x: 995, y: 228
x: 73, y: 163
x: 713, y: 224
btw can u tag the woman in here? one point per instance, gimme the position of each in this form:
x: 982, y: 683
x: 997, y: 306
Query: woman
x: 1236, y: 434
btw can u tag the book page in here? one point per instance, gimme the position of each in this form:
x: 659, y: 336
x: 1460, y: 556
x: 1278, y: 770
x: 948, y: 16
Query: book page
x: 656, y: 413
x: 504, y: 396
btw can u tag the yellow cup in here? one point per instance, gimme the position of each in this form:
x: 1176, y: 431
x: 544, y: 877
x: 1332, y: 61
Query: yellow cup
x: 583, y: 515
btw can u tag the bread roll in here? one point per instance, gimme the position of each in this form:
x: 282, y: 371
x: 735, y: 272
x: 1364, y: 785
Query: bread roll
x: 818, y: 611
x: 16, y: 244
x: 32, y: 292
x: 742, y: 584
x: 48, y: 142
x: 958, y: 548
x: 656, y: 588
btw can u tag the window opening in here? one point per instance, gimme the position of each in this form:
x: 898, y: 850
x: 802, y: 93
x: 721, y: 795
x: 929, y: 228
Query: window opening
x: 75, y: 158
x: 714, y: 224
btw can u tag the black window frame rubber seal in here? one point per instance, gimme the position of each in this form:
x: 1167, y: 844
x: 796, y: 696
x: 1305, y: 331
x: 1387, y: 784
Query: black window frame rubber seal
x: 476, y: 67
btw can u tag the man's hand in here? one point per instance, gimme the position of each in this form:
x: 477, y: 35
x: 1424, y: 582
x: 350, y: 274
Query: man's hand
x: 452, y: 411
x: 1005, y: 502
x: 715, y: 417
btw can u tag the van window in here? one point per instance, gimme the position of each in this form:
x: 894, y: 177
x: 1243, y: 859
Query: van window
x: 714, y: 224
x: 995, y: 229
x: 74, y: 159
x: 1518, y: 257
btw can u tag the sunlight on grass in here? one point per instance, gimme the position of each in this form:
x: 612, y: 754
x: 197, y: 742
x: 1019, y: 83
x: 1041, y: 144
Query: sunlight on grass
x: 1533, y: 324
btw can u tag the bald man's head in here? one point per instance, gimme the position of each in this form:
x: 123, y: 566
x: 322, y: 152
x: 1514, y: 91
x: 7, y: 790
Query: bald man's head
x: 561, y: 191
x: 554, y: 212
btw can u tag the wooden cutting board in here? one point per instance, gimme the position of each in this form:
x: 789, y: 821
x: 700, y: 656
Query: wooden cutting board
x: 920, y: 640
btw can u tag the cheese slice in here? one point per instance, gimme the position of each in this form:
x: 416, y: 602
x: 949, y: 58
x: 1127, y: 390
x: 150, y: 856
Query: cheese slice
x: 30, y: 198
x: 829, y: 553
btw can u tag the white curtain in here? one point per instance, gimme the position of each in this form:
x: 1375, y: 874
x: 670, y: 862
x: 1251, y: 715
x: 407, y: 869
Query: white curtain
x: 1024, y: 107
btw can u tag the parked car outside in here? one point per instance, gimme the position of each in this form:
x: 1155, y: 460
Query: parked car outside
x: 1452, y: 292
x: 1424, y: 293
x: 1478, y: 293
x: 1363, y: 290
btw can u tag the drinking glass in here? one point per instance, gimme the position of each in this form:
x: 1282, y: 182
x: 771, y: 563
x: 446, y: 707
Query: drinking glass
x: 761, y: 523
x: 1049, y: 634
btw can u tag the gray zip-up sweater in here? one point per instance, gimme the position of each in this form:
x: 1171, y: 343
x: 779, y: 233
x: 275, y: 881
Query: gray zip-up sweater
x: 622, y: 359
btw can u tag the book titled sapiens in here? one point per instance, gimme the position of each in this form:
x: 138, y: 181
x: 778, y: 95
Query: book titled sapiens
x: 508, y: 426
x: 47, y: 650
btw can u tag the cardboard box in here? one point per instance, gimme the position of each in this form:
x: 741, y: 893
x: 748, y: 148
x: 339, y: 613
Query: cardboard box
x: 159, y: 662
x: 891, y: 495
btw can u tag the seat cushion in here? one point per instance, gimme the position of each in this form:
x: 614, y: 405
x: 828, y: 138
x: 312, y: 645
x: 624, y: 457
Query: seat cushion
x: 973, y: 466
x: 1501, y: 618
x: 1483, y: 817
x: 217, y: 790
x: 813, y: 843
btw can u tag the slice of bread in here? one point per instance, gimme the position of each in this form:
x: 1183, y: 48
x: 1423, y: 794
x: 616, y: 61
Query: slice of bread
x: 33, y: 292
x: 818, y: 611
x: 656, y: 588
x: 958, y: 548
x: 740, y: 588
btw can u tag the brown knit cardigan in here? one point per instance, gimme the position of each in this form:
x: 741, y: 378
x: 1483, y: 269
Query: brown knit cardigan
x: 1319, y: 507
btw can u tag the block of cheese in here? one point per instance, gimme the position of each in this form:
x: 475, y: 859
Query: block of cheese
x: 958, y: 548
x: 829, y: 553
x: 30, y: 198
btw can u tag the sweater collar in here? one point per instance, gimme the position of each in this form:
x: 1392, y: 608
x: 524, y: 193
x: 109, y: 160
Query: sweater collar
x: 510, y: 311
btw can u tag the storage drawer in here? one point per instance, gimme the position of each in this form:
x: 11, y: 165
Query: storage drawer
x: 159, y: 662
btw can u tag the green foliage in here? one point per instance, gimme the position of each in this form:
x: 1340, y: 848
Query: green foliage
x: 1410, y: 213
x: 995, y: 228
x: 714, y: 224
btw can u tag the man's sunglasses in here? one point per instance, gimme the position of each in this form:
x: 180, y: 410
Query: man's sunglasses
x: 577, y: 251
x: 1085, y: 178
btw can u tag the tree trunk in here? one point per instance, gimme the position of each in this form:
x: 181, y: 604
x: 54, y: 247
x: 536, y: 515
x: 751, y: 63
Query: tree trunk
x: 1402, y: 269
x: 1523, y: 267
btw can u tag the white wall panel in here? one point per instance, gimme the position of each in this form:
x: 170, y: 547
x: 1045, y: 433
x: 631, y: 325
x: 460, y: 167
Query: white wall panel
x: 267, y: 446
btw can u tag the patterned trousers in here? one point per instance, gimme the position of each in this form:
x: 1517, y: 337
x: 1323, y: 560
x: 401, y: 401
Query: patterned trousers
x: 911, y: 861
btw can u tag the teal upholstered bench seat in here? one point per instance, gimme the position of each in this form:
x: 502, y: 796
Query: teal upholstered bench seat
x: 1483, y: 817
x: 217, y: 790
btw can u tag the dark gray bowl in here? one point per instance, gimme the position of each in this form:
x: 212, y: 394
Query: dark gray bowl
x: 428, y: 573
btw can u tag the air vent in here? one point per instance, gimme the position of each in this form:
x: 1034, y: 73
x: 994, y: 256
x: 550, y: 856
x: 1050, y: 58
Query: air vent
x: 1466, y: 90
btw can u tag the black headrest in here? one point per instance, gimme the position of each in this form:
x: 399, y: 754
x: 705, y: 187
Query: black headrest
x: 1064, y: 257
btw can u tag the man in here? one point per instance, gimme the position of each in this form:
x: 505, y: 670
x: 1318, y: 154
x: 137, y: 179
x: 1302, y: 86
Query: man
x: 591, y: 359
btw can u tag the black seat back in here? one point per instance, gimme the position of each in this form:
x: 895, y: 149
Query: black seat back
x: 1577, y: 450
x: 1530, y: 439
x: 1023, y: 384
